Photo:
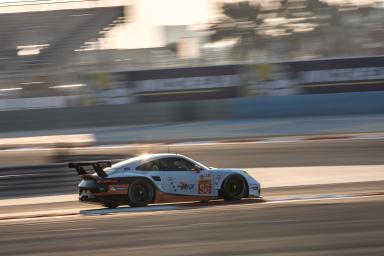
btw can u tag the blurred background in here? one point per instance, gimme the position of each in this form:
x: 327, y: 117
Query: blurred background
x: 291, y: 91
x: 78, y: 75
x: 81, y: 67
x: 71, y: 54
x: 88, y: 73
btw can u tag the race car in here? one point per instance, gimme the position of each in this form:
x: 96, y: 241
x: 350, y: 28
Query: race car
x: 160, y: 178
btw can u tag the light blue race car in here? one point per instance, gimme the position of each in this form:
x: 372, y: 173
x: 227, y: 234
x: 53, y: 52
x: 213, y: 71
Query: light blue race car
x: 161, y: 178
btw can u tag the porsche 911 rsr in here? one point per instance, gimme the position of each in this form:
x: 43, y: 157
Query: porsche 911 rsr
x: 161, y: 178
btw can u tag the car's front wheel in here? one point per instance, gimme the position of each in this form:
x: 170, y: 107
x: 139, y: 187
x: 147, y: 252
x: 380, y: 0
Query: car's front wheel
x: 234, y: 188
x: 140, y: 193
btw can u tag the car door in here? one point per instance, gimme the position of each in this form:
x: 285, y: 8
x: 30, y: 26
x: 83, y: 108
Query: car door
x: 179, y: 178
x: 175, y: 175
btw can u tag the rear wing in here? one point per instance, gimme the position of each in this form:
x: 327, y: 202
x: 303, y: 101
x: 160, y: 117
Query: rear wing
x: 97, y: 166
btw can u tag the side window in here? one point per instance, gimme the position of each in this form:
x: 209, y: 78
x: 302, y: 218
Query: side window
x: 167, y: 164
x: 179, y: 164
x: 155, y: 165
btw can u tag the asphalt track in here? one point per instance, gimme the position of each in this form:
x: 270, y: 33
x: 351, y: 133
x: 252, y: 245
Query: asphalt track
x: 330, y: 219
x: 326, y: 219
x: 319, y: 227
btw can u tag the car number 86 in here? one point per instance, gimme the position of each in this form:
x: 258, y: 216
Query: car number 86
x: 205, y: 187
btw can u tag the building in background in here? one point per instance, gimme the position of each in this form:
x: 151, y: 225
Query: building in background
x: 51, y: 52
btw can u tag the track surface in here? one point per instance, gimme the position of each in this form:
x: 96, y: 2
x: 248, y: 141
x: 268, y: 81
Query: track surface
x: 269, y: 194
x: 347, y: 226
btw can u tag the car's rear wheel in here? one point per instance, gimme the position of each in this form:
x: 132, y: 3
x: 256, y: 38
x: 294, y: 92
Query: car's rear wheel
x: 140, y: 193
x: 234, y: 188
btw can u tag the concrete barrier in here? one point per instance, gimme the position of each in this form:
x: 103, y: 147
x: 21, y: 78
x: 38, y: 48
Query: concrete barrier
x: 66, y: 118
x: 309, y: 105
x: 113, y: 115
x: 188, y: 111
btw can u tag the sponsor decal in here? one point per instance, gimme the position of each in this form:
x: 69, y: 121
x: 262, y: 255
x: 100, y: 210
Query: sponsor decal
x: 185, y: 186
x: 207, y: 175
x: 170, y: 178
x: 217, y: 180
x: 118, y: 188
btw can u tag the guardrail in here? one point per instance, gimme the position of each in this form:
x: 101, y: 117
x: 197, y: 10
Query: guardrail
x: 37, y: 180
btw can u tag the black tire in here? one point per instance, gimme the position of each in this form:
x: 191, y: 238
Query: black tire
x: 110, y: 205
x: 140, y: 193
x: 234, y: 188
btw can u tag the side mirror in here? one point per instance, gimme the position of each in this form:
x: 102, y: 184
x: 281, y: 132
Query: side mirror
x: 196, y: 169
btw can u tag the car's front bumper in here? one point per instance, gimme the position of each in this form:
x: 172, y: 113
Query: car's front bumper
x: 254, y: 190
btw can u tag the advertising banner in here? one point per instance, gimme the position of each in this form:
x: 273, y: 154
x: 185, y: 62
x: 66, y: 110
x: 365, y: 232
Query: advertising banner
x: 178, y: 84
x: 230, y: 81
x: 339, y: 75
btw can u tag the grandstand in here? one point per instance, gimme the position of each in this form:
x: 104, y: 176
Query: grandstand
x: 34, y: 43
